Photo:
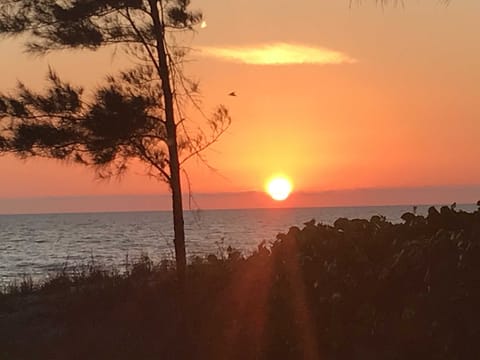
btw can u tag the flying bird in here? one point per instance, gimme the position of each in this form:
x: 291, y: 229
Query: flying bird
x: 233, y: 93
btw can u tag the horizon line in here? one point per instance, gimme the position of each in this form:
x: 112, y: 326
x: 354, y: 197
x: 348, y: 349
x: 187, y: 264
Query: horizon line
x: 246, y: 192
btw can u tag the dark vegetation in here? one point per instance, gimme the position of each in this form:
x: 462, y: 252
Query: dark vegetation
x: 360, y: 289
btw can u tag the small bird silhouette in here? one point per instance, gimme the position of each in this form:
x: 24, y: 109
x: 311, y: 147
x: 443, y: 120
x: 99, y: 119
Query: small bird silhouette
x: 233, y: 93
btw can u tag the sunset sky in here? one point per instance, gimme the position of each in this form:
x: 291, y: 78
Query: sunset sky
x: 375, y: 106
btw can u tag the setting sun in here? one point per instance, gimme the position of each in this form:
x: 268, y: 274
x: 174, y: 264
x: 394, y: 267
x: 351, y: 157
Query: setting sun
x: 279, y: 188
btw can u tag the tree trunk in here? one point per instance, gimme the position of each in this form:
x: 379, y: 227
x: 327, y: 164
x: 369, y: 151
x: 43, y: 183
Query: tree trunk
x: 171, y: 127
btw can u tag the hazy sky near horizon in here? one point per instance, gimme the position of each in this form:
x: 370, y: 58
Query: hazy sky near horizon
x: 333, y: 96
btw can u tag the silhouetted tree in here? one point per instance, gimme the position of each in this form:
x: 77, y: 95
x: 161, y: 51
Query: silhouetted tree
x: 136, y: 114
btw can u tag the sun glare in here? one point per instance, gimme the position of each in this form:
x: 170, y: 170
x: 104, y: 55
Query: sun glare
x: 279, y: 188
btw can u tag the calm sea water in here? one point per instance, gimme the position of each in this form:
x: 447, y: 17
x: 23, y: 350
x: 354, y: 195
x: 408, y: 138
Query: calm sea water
x: 37, y: 245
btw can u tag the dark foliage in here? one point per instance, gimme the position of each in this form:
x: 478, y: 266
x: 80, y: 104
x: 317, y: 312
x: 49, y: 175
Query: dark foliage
x: 121, y: 123
x: 360, y: 289
x: 86, y: 23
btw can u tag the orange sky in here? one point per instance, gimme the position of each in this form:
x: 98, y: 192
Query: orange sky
x: 395, y: 106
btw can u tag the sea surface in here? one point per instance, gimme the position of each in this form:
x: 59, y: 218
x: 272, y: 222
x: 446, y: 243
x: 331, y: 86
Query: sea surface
x: 39, y: 245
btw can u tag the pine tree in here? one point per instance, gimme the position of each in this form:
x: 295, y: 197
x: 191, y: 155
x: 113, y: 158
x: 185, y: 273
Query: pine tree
x: 136, y: 114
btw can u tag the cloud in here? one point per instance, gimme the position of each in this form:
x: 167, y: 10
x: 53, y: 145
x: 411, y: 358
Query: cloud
x: 278, y: 54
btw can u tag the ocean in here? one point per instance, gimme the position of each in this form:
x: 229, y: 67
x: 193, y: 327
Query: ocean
x: 39, y: 245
